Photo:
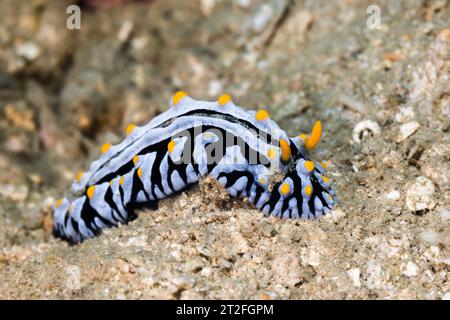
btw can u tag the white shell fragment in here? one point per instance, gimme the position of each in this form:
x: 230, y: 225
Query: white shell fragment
x: 364, y: 129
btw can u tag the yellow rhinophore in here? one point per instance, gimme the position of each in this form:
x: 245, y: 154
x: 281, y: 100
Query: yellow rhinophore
x: 105, y: 148
x: 314, y: 137
x: 224, y: 99
x: 90, y: 192
x: 262, y: 115
x: 285, y: 150
x: 130, y: 129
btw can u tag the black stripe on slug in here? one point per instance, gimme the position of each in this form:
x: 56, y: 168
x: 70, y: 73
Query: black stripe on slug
x: 156, y: 173
x: 171, y: 167
x: 136, y: 187
x: 274, y: 197
x: 259, y: 191
x: 224, y: 116
x: 285, y: 206
x: 66, y: 218
x: 109, y: 200
x: 88, y: 214
x: 317, y: 191
x: 75, y: 227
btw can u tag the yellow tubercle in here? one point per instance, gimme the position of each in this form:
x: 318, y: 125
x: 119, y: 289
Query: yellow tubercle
x: 324, y: 165
x: 170, y: 146
x: 224, y: 99
x: 139, y: 172
x: 325, y: 179
x: 79, y: 176
x: 121, y: 180
x: 262, y: 115
x: 130, y: 129
x: 309, y: 165
x: 177, y: 97
x: 59, y: 203
x: 262, y: 181
x: 135, y: 159
x: 271, y: 153
x: 105, y: 148
x: 308, y: 190
x: 90, y: 192
x: 285, y: 188
x: 314, y: 137
x: 285, y: 150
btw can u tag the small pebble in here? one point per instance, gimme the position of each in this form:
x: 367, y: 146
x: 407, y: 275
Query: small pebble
x: 16, y: 193
x: 430, y: 236
x: 207, y: 7
x: 121, y: 296
x: 28, y: 50
x: 406, y: 130
x: 353, y: 104
x: 183, y: 282
x: 419, y: 195
x: 224, y: 263
x: 204, y: 251
x: 193, y: 265
x: 149, y: 281
x: 125, y: 268
x: 262, y: 18
x: 393, y: 195
x: 32, y: 217
x: 354, y: 274
x: 125, y: 31
x: 206, y: 272
x: 405, y: 114
x: 410, y: 269
x: 17, y: 143
x: 244, y: 4
x: 444, y: 214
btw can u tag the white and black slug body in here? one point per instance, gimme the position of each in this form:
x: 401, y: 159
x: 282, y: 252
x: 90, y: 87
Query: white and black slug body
x: 244, y: 150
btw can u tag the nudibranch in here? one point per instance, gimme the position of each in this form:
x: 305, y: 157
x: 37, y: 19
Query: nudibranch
x: 246, y: 151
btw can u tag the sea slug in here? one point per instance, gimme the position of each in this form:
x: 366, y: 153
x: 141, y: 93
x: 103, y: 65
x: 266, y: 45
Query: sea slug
x: 244, y: 150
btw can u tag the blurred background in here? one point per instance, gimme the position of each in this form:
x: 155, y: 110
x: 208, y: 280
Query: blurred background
x: 376, y: 73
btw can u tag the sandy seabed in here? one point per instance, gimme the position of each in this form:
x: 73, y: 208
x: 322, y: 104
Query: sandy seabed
x: 382, y: 95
